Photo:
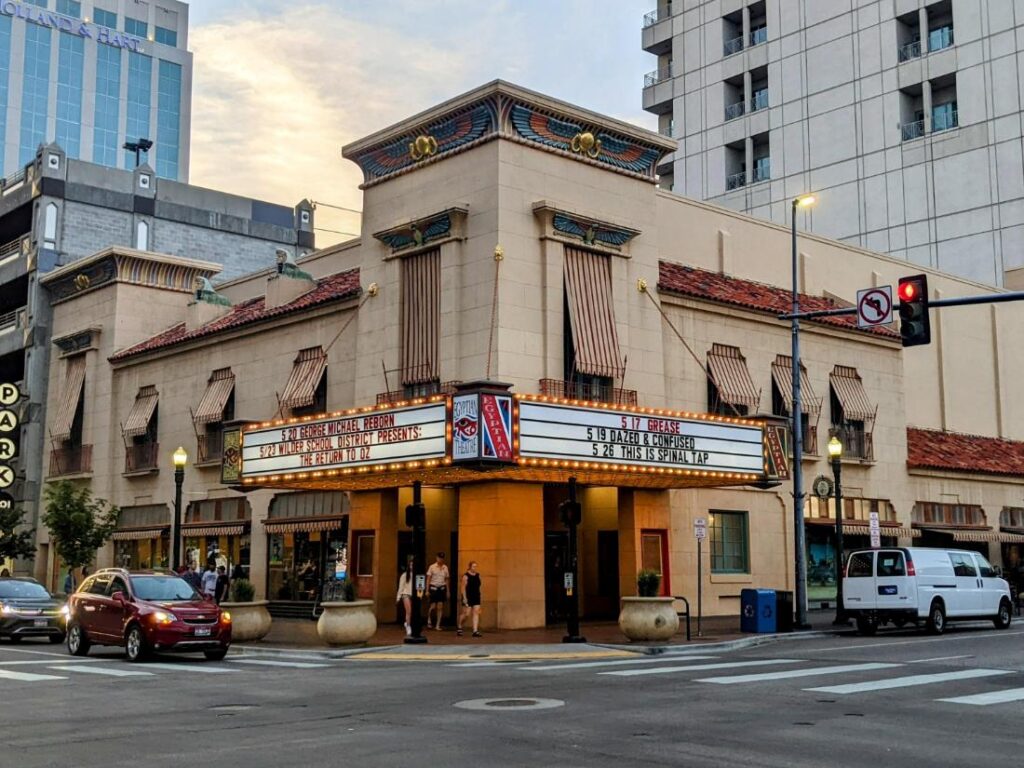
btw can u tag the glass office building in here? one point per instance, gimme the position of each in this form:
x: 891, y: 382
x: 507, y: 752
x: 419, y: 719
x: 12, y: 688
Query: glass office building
x: 92, y: 75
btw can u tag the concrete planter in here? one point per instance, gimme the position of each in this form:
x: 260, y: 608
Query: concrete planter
x: 347, y: 623
x: 249, y: 621
x: 648, y: 618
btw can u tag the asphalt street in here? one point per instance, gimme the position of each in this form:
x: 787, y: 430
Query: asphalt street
x: 901, y: 698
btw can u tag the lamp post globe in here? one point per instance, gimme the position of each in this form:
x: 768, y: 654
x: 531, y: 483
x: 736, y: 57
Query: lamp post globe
x: 180, y: 459
x: 835, y: 453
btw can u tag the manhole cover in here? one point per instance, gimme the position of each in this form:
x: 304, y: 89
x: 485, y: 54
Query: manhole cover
x: 233, y: 708
x: 517, y: 704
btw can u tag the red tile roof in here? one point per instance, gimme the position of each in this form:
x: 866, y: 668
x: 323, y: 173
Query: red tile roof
x: 737, y: 292
x: 344, y: 285
x: 934, y: 449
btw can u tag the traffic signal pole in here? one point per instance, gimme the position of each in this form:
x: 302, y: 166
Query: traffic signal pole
x: 959, y: 301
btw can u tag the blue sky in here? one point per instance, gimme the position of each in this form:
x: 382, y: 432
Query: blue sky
x: 279, y: 87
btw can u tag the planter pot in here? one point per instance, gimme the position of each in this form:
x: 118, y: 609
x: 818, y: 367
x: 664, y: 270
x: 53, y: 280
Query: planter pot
x: 347, y: 623
x: 249, y: 621
x: 648, y: 618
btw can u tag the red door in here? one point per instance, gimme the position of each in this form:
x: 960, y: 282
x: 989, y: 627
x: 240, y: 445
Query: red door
x: 654, y: 556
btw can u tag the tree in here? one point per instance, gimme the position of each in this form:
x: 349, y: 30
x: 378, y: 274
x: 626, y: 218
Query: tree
x: 78, y: 523
x: 15, y: 544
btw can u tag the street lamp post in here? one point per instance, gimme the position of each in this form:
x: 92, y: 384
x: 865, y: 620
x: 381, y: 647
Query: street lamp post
x: 180, y: 459
x: 835, y: 453
x: 804, y: 201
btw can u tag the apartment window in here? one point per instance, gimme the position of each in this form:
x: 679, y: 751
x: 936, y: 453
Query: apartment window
x: 759, y: 98
x: 135, y: 27
x: 105, y: 18
x: 944, y: 116
x: 108, y: 105
x: 70, y: 8
x: 730, y: 548
x: 140, y: 95
x: 735, y: 165
x: 733, y: 98
x: 852, y: 413
x: 166, y: 36
x: 731, y: 391
x: 762, y: 168
x: 782, y: 400
x: 70, y: 67
x: 759, y: 35
x: 35, y: 90
x: 940, y: 26
x: 758, y: 23
x: 168, y: 119
x: 940, y: 38
x: 732, y: 33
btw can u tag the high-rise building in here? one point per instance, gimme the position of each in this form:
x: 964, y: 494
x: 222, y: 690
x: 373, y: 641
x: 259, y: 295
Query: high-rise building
x: 93, y: 75
x: 904, y: 116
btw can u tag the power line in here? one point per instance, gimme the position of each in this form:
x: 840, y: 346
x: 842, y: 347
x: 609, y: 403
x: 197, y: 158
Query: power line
x: 336, y: 231
x: 316, y: 203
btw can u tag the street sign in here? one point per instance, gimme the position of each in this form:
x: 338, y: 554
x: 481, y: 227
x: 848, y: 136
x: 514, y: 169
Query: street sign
x: 874, y: 306
x: 9, y: 394
x: 700, y: 528
x: 876, y: 533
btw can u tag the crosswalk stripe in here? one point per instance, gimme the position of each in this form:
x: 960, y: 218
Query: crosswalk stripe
x: 618, y: 663
x: 701, y: 667
x: 910, y: 680
x: 291, y: 664
x: 791, y: 673
x: 27, y: 677
x: 37, y: 662
x: 190, y: 668
x: 992, y: 697
x: 108, y: 671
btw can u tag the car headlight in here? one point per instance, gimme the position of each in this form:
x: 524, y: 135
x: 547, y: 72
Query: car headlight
x: 225, y: 617
x: 7, y: 609
x: 163, y: 617
x: 65, y: 611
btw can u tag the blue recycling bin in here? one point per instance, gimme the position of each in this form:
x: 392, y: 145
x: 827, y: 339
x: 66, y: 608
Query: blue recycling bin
x: 757, y: 610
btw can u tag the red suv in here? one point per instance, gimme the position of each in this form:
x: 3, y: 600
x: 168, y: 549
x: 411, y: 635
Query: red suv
x: 145, y: 611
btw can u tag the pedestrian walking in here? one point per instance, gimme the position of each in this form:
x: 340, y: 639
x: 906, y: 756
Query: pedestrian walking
x: 208, y: 584
x: 223, y: 584
x: 437, y: 584
x: 470, y: 599
x: 69, y: 583
x: 192, y: 578
x: 404, y: 596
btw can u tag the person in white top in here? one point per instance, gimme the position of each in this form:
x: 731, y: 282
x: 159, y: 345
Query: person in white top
x: 437, y: 584
x: 404, y: 596
x: 209, y: 581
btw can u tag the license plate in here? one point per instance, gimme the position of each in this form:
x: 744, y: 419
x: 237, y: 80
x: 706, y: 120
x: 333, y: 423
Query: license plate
x: 41, y: 622
x: 202, y: 631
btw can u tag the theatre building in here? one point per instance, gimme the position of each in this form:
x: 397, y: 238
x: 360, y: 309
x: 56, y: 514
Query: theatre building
x: 524, y: 307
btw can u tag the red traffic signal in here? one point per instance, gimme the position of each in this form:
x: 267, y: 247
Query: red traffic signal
x: 915, y: 325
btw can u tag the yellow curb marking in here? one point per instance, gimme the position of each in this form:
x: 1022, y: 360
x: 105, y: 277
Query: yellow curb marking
x: 372, y: 656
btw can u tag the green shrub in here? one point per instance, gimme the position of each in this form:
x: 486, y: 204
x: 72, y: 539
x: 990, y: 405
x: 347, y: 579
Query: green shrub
x: 648, y: 583
x: 348, y: 590
x: 242, y: 591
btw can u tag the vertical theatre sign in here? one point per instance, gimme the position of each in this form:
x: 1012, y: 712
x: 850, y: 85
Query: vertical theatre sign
x: 482, y: 427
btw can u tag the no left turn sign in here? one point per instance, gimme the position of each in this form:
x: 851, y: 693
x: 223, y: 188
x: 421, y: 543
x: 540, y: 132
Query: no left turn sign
x: 874, y: 306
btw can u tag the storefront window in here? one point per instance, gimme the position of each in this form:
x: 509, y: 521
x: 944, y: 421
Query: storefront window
x: 138, y: 554
x: 225, y: 550
x: 300, y: 562
x: 729, y: 546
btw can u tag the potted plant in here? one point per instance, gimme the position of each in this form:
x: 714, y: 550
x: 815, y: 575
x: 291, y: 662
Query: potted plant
x: 347, y: 621
x: 648, y: 616
x: 250, y: 619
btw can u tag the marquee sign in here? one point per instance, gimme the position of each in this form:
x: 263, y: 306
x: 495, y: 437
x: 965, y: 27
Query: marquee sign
x: 561, y: 432
x: 355, y: 440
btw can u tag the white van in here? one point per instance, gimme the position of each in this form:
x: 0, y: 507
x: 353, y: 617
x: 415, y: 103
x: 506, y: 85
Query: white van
x: 912, y: 583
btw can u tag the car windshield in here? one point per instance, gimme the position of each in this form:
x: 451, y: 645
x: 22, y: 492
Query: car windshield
x: 23, y: 590
x: 163, y: 588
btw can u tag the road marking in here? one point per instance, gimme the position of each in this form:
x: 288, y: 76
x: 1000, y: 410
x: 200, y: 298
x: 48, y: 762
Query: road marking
x: 944, y: 639
x: 267, y: 663
x: 108, y: 671
x: 27, y: 677
x: 992, y: 697
x: 63, y: 655
x: 941, y: 658
x: 620, y: 663
x: 790, y: 673
x: 701, y: 667
x: 910, y: 680
x: 476, y: 656
x: 190, y: 668
x: 47, y: 661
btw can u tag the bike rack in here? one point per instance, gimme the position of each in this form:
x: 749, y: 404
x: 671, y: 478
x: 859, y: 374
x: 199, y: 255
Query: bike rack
x: 685, y: 613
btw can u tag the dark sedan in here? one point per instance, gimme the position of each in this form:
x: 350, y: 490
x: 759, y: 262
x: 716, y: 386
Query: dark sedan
x: 28, y: 610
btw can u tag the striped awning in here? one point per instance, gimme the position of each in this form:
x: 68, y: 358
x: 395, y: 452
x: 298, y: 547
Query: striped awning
x: 213, y: 529
x: 218, y: 390
x: 849, y: 388
x: 421, y: 317
x: 588, y: 286
x: 309, y: 368
x: 728, y: 370
x: 884, y: 530
x: 782, y: 375
x: 74, y: 380
x: 294, y: 525
x: 137, y: 422
x: 139, y: 533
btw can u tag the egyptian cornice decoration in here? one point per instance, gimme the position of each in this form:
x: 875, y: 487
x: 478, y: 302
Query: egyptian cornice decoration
x: 79, y: 341
x: 125, y: 266
x: 501, y: 110
x: 428, y: 231
x: 568, y: 226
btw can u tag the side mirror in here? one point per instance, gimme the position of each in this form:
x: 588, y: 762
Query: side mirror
x: 119, y: 597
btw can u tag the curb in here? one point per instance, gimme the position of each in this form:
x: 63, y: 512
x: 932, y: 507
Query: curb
x: 303, y: 653
x: 724, y: 645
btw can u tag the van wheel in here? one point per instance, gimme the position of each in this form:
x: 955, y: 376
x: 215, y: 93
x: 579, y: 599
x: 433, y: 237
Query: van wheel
x: 936, y: 618
x: 1003, y: 618
x: 866, y: 626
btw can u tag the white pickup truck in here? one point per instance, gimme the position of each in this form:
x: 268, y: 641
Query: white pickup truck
x: 911, y: 584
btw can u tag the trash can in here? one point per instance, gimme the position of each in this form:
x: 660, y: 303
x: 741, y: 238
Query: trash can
x: 757, y: 610
x: 783, y: 610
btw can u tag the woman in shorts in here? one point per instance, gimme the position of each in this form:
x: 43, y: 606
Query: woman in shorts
x: 470, y: 592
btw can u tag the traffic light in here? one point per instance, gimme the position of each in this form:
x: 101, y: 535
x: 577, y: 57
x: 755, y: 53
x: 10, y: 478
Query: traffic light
x: 416, y: 516
x: 915, y: 325
x: 570, y: 512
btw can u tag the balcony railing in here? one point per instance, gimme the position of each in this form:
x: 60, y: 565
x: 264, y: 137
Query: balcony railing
x: 760, y: 100
x: 732, y: 46
x: 758, y: 36
x: 209, y: 446
x: 943, y: 120
x: 732, y: 111
x: 658, y: 76
x: 858, y: 444
x: 11, y: 248
x: 909, y: 51
x: 736, y: 181
x: 579, y: 390
x: 15, y: 178
x: 658, y: 14
x: 141, y: 457
x: 913, y: 130
x: 71, y: 460
x: 426, y: 390
x: 940, y: 38
x: 12, y: 319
